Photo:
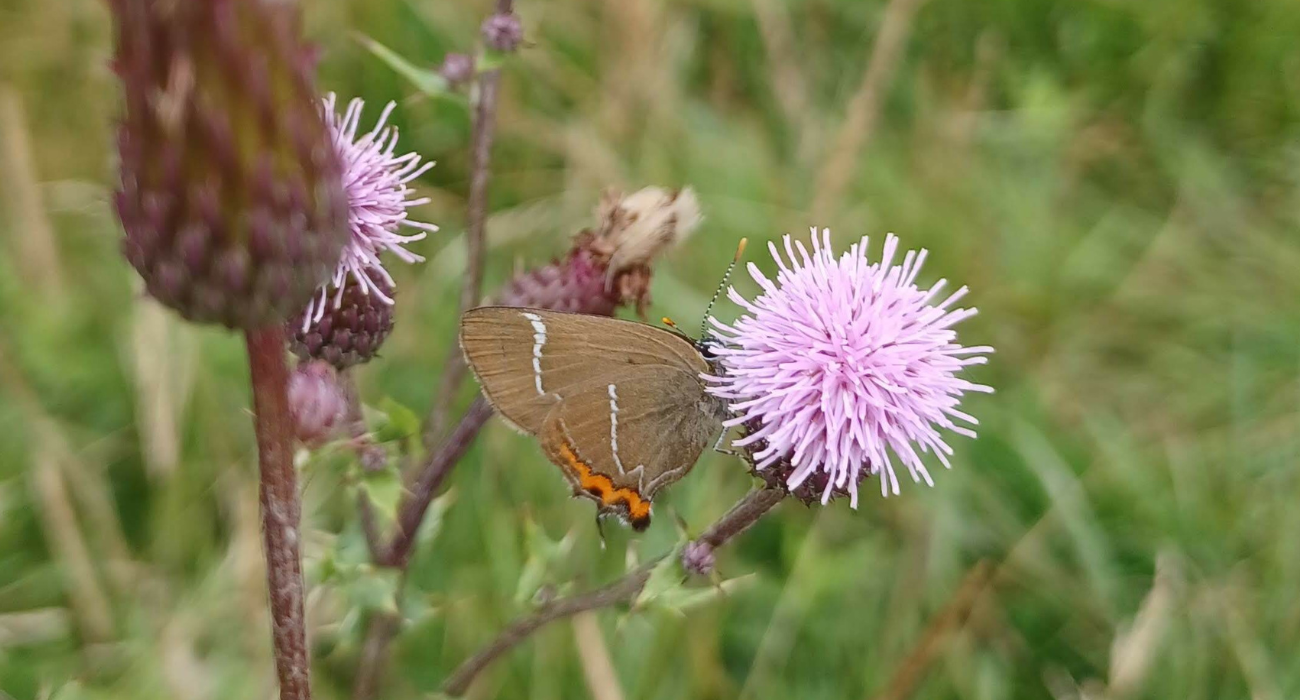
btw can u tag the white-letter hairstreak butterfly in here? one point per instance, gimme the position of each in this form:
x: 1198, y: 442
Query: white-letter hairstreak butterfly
x: 618, y: 406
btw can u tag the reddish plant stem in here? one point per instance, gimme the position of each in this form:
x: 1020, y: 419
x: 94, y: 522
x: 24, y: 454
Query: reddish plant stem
x: 432, y: 473
x: 745, y: 513
x: 280, y: 509
x: 443, y: 452
x: 480, y: 172
x: 625, y: 590
x: 485, y: 107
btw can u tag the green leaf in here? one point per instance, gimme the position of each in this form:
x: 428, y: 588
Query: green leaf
x: 350, y: 550
x: 384, y: 488
x: 681, y: 599
x: 544, y: 555
x: 431, y: 526
x: 666, y: 576
x: 530, y: 580
x: 327, y: 567
x: 375, y: 589
x: 489, y: 59
x: 426, y: 81
x: 394, y: 422
x: 417, y: 606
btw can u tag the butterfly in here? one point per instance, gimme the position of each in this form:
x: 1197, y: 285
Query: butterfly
x: 620, y: 407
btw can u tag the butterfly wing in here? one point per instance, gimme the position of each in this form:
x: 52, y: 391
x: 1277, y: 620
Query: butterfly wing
x: 618, y: 406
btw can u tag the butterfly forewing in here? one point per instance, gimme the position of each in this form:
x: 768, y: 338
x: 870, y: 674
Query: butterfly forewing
x: 522, y: 355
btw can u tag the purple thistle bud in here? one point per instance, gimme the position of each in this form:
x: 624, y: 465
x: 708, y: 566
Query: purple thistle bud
x: 230, y: 194
x: 348, y: 329
x: 839, y: 362
x: 503, y: 32
x: 318, y: 404
x: 610, y: 265
x: 457, y: 69
x: 698, y: 558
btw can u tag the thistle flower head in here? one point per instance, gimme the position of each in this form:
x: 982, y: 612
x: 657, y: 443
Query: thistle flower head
x: 840, y: 362
x: 229, y: 191
x: 376, y: 181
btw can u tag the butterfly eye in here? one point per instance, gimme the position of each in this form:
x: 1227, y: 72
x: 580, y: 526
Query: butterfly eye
x: 708, y: 348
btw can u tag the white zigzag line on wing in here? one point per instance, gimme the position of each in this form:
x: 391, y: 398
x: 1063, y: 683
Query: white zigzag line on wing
x: 539, y: 339
x: 613, y: 427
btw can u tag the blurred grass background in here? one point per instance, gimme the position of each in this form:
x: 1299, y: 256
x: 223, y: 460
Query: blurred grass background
x: 1116, y: 181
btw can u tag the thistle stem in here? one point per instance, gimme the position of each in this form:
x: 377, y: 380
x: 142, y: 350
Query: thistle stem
x: 480, y: 172
x: 280, y: 509
x: 485, y: 109
x: 745, y: 513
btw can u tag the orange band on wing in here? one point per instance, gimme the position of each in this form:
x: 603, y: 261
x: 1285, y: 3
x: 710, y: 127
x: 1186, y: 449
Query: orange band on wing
x: 603, y: 488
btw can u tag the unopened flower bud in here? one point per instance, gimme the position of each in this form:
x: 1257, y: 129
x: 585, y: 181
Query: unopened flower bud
x: 318, y: 403
x: 698, y: 558
x: 230, y: 192
x: 503, y: 32
x: 457, y: 69
x: 347, y: 327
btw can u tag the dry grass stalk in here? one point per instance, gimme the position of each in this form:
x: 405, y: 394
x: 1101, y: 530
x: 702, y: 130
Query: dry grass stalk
x: 597, y: 666
x: 89, y: 601
x: 33, y: 233
x: 864, y: 109
x: 948, y: 622
x: 164, y: 373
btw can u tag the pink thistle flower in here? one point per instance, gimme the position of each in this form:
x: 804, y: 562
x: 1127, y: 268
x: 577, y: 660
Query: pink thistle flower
x: 840, y: 362
x: 377, y: 183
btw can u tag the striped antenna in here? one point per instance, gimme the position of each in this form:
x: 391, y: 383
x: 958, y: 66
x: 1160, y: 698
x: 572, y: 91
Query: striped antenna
x: 740, y: 250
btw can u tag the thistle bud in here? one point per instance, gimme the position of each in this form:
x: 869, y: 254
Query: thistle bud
x: 698, y: 558
x: 503, y: 32
x: 345, y: 327
x: 317, y: 402
x: 457, y: 69
x: 230, y: 192
x: 610, y: 265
